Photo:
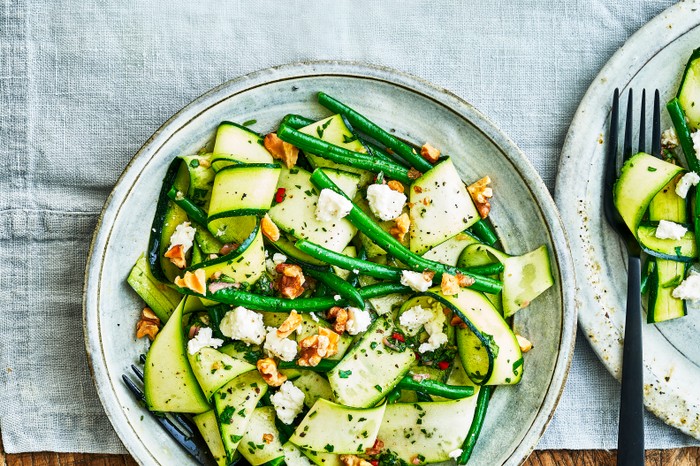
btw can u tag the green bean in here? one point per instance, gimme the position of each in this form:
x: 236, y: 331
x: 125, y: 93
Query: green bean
x: 236, y: 297
x: 393, y: 396
x: 382, y: 272
x: 487, y: 269
x: 371, y: 129
x: 392, y: 246
x: 193, y: 211
x: 482, y: 403
x: 298, y: 122
x: 324, y: 365
x: 433, y: 387
x: 341, y: 155
x: 340, y: 286
x: 484, y: 231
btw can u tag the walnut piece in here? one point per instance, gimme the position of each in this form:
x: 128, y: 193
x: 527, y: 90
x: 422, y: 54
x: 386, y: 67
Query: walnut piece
x: 290, y: 282
x: 524, y: 343
x: 449, y: 284
x: 457, y: 322
x: 148, y: 325
x: 228, y: 248
x: 196, y: 281
x: 375, y: 449
x: 269, y: 229
x: 176, y: 254
x: 316, y: 347
x: 395, y: 186
x: 352, y: 460
x: 401, y: 226
x: 268, y: 370
x: 268, y: 438
x: 291, y: 323
x: 281, y: 150
x: 481, y: 192
x: 413, y: 174
x: 465, y: 281
x: 429, y: 153
x: 339, y: 317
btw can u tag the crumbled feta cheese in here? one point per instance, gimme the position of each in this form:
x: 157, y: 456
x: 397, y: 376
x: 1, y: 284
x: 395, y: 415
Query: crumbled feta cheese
x: 416, y: 280
x: 669, y: 138
x: 331, y: 206
x: 283, y: 348
x: 314, y: 317
x: 271, y: 264
x: 689, y: 289
x: 337, y: 297
x: 288, y: 402
x: 684, y: 184
x: 414, y: 318
x: 184, y: 235
x: 356, y: 271
x: 384, y: 202
x: 358, y: 321
x: 670, y: 230
x: 434, y: 328
x: 203, y: 339
x: 696, y: 141
x: 454, y: 454
x: 243, y: 324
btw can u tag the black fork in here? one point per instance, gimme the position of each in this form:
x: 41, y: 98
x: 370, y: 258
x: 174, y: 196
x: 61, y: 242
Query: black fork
x: 630, y: 441
x: 176, y: 425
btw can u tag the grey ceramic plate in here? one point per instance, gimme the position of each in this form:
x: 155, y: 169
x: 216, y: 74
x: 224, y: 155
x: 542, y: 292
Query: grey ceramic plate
x: 652, y: 58
x: 418, y: 111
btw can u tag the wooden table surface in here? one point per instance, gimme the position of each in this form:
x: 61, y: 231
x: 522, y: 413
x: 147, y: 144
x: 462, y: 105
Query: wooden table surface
x: 676, y: 457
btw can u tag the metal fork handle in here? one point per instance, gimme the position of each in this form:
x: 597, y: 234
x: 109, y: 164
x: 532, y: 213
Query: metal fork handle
x: 630, y: 440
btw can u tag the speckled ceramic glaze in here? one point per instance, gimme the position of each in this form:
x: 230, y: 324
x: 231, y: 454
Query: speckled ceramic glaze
x: 524, y: 212
x: 652, y: 58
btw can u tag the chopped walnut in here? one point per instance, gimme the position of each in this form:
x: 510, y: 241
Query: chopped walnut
x: 176, y: 254
x: 465, y: 281
x: 375, y: 449
x: 196, y: 281
x: 290, y: 282
x: 449, y: 284
x: 457, y: 322
x: 481, y: 192
x: 428, y: 275
x: 204, y: 163
x: 417, y: 189
x: 316, y: 347
x: 268, y: 438
x: 269, y: 229
x: 429, y: 153
x: 291, y: 323
x: 268, y: 369
x: 524, y: 343
x: 401, y: 225
x: 413, y: 174
x: 395, y: 186
x: 352, y: 460
x: 416, y: 460
x: 339, y: 317
x: 228, y: 248
x: 148, y: 325
x: 281, y: 150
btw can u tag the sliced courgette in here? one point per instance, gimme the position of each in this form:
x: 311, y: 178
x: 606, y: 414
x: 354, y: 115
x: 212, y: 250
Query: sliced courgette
x: 440, y: 207
x: 261, y: 442
x: 334, y: 428
x: 214, y: 369
x: 689, y: 90
x: 525, y: 277
x: 683, y: 250
x: 157, y: 295
x: 243, y: 144
x: 209, y: 429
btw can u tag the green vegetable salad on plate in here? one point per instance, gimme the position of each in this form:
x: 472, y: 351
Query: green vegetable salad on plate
x: 330, y: 294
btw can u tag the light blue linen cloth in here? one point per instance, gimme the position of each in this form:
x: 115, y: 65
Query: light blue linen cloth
x: 83, y: 84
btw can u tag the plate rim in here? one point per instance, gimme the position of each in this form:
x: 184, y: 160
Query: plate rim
x: 357, y: 69
x: 603, y: 84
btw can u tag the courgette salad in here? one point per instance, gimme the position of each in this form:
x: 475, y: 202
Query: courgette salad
x: 325, y: 296
x: 659, y: 202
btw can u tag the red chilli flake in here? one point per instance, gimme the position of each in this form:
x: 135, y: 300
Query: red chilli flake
x: 279, y: 196
x: 398, y: 337
x: 374, y: 462
x: 443, y: 365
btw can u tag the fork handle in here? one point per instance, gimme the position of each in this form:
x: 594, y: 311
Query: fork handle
x: 630, y: 439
